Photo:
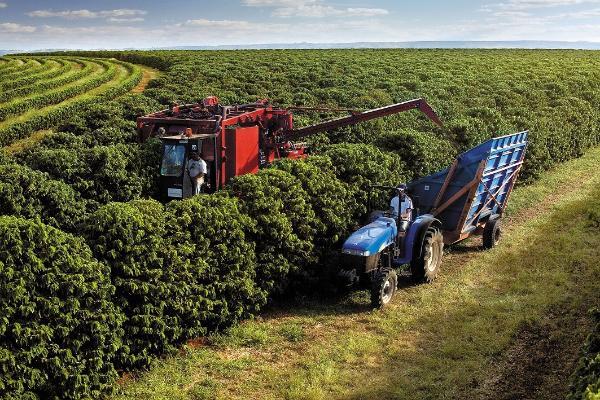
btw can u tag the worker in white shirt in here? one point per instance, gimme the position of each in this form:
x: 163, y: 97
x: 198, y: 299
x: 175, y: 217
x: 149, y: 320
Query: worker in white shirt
x: 401, y: 205
x: 197, y: 170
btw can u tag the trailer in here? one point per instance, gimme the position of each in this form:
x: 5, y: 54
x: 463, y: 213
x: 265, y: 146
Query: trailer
x: 468, y: 198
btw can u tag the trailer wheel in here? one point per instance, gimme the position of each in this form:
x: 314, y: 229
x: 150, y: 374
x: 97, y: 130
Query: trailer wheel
x: 426, y: 267
x: 492, y: 233
x: 383, y: 287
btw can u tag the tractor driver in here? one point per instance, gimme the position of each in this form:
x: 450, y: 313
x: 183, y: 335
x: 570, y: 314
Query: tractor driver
x: 197, y: 170
x: 401, y: 206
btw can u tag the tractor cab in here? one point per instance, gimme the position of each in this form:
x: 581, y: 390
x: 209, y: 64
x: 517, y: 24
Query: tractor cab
x: 175, y: 181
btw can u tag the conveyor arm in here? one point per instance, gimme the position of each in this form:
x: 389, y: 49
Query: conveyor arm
x: 357, y: 118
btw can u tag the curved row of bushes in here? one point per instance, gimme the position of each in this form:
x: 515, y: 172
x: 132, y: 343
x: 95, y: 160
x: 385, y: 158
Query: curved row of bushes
x: 27, y: 67
x: 60, y: 67
x: 71, y: 71
x: 34, y: 67
x: 102, y: 73
x: 125, y: 77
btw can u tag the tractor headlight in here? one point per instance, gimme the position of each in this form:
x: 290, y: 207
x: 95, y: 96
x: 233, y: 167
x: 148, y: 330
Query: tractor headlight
x: 354, y: 252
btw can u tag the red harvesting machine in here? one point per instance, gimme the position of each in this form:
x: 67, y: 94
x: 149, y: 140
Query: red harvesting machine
x: 237, y: 140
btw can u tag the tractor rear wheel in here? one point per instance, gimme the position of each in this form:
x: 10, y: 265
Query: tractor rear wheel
x: 426, y: 267
x: 383, y: 287
x: 492, y: 233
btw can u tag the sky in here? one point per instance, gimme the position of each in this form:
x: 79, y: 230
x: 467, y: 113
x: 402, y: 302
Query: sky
x: 87, y: 24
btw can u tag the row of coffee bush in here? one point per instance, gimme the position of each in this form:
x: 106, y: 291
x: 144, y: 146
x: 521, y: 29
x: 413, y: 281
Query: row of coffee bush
x: 134, y: 280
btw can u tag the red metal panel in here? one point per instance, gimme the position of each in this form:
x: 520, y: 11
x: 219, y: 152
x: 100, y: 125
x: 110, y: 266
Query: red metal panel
x: 246, y: 150
x: 241, y: 154
x: 221, y: 148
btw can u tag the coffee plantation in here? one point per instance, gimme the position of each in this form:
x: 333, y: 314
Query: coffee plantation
x: 109, y: 279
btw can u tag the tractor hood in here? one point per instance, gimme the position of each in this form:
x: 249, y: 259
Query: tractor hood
x: 372, y: 238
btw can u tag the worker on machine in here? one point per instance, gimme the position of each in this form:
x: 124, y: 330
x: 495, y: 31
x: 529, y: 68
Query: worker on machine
x: 401, y: 207
x: 197, y: 170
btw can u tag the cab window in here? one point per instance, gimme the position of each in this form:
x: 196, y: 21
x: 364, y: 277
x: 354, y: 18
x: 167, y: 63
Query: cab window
x: 173, y: 160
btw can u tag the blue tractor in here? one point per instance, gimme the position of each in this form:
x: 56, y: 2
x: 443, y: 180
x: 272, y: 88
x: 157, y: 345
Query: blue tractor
x: 466, y: 199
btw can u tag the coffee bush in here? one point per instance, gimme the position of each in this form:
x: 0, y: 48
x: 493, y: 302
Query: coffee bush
x: 59, y: 331
x: 32, y: 194
x: 361, y: 165
x: 130, y: 239
x: 279, y: 250
x: 209, y: 248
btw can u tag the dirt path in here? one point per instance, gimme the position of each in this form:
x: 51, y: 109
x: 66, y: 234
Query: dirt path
x: 538, y: 363
x: 149, y: 74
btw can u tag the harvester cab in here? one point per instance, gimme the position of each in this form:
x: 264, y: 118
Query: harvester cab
x: 175, y: 181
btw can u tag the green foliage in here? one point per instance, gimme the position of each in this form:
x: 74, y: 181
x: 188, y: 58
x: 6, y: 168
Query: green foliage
x: 208, y: 235
x: 279, y: 250
x: 205, y: 263
x: 479, y: 94
x: 54, y: 96
x: 296, y: 206
x: 137, y: 105
x: 118, y: 172
x: 161, y: 304
x: 330, y: 198
x: 53, y: 78
x: 423, y: 153
x: 61, y: 104
x: 32, y: 194
x: 30, y: 68
x: 361, y: 165
x: 585, y: 383
x: 59, y: 332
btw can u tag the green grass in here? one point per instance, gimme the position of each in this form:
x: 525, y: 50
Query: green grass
x: 444, y: 340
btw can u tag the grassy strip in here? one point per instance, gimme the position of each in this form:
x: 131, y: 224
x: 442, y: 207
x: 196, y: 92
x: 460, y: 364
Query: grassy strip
x: 46, y: 66
x: 26, y: 143
x: 31, y: 67
x: 19, y: 83
x: 16, y: 66
x: 70, y: 72
x: 148, y: 75
x: 128, y: 76
x: 60, y: 94
x: 435, y: 341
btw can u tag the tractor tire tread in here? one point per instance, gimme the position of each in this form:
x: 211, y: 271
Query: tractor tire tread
x: 377, y: 284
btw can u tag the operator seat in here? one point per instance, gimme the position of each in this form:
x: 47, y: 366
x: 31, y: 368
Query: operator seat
x: 403, y: 225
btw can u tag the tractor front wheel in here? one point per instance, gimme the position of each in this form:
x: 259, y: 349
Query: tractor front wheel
x: 383, y: 287
x: 426, y: 267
